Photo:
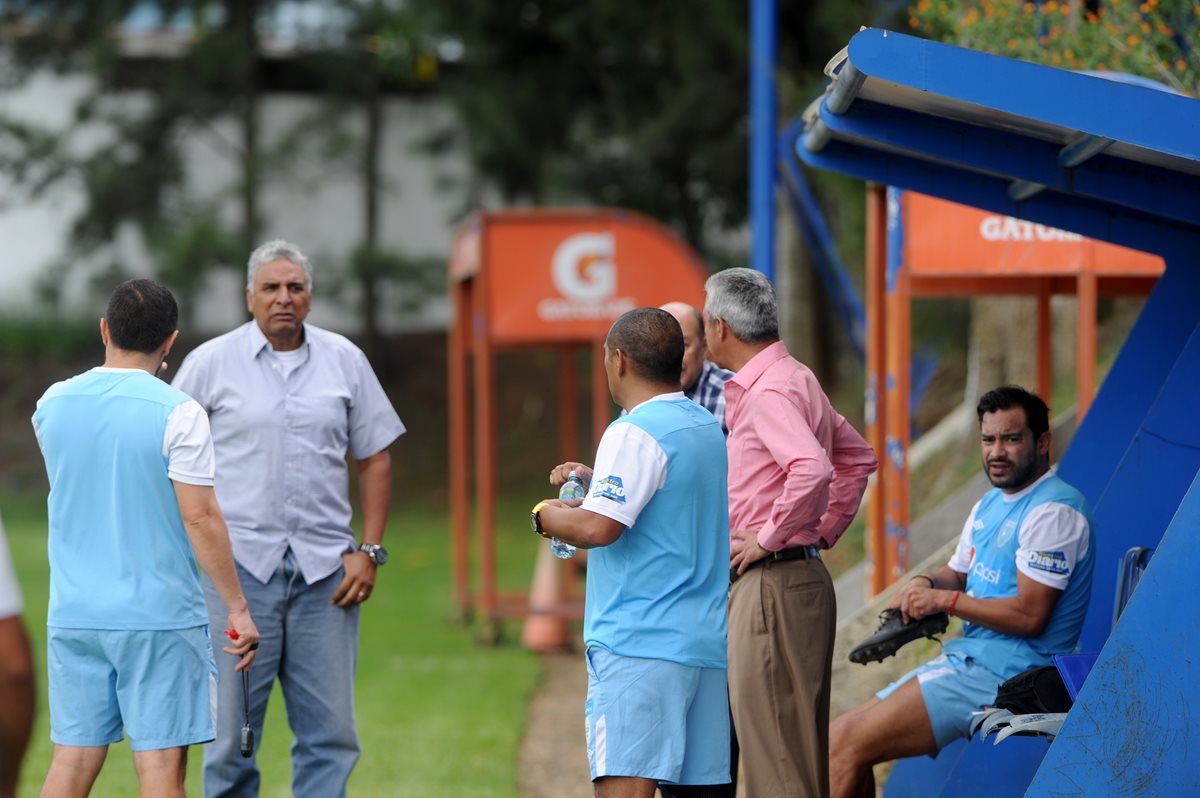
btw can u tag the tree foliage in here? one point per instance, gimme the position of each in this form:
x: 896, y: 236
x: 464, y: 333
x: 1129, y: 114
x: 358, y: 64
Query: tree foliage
x: 123, y: 148
x: 1157, y: 39
x: 634, y: 104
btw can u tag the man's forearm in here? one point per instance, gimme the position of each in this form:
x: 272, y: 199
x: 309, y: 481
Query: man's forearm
x: 375, y: 493
x: 581, y: 528
x: 1022, y: 615
x: 944, y: 578
x: 210, y: 542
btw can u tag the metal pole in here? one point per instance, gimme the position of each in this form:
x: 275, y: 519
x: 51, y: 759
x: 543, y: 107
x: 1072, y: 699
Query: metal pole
x: 876, y: 398
x: 763, y: 47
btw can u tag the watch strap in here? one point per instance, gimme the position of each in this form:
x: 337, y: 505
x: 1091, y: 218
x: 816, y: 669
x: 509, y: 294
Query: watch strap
x: 535, y: 520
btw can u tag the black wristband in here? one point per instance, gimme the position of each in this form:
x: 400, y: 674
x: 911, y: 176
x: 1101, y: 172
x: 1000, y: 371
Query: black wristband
x: 926, y: 577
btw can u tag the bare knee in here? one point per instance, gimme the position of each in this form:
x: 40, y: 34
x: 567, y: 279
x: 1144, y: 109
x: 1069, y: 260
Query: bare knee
x: 847, y: 738
x: 161, y: 772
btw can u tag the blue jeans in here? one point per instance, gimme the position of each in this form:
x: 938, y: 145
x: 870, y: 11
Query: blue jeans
x: 311, y: 646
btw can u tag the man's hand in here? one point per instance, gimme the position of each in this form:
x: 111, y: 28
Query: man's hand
x: 917, y: 599
x: 559, y: 474
x: 359, y: 580
x: 243, y: 638
x: 744, y: 550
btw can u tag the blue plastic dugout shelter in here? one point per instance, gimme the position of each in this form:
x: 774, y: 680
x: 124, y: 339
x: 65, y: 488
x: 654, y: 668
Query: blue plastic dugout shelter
x: 1115, y: 162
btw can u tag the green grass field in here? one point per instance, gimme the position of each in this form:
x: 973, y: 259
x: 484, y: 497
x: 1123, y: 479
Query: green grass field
x: 438, y: 715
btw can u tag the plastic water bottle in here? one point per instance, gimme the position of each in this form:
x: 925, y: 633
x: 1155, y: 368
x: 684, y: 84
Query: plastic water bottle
x: 571, y: 489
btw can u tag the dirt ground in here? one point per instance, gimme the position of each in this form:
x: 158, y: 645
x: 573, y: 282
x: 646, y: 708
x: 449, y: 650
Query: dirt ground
x: 553, y: 756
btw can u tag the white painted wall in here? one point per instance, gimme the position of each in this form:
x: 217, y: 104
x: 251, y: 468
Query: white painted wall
x: 313, y: 202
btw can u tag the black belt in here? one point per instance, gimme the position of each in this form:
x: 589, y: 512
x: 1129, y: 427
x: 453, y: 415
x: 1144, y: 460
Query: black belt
x: 794, y: 553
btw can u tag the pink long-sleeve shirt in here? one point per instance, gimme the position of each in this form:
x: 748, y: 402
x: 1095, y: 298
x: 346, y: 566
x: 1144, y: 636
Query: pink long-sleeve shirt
x: 797, y: 469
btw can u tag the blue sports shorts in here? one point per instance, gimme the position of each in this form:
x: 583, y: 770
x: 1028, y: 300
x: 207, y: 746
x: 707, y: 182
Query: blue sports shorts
x: 158, y: 686
x: 953, y: 687
x: 656, y: 719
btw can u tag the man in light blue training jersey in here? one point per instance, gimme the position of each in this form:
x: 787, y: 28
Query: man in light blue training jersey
x: 132, y: 510
x: 657, y: 515
x: 1020, y: 580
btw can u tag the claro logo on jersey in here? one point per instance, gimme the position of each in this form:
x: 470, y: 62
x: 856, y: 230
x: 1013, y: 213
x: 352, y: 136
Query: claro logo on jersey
x: 584, y: 271
x: 610, y: 488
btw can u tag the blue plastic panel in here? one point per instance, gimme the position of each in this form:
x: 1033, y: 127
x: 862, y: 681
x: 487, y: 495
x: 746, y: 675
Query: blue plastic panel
x: 1134, y: 729
x: 992, y: 90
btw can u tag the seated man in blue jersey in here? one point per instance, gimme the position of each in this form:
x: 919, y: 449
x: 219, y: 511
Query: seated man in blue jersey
x: 657, y: 514
x: 1020, y: 580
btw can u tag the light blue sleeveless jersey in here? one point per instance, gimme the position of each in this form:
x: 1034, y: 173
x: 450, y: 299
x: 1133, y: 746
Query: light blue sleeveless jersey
x: 119, y: 556
x: 993, y: 574
x: 660, y: 591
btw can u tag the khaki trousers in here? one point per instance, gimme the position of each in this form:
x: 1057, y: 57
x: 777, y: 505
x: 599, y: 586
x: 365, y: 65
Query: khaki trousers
x: 782, y: 618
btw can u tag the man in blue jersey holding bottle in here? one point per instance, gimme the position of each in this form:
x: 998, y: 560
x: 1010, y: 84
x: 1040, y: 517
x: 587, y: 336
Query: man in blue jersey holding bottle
x: 1020, y: 579
x: 657, y: 516
x: 132, y: 510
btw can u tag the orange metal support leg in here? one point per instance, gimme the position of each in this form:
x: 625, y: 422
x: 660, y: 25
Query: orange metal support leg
x: 876, y: 290
x: 460, y: 447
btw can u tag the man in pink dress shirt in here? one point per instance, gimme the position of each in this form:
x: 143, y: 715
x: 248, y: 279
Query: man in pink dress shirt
x: 797, y: 472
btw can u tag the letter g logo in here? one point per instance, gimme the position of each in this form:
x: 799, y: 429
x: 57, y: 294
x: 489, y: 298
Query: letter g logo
x: 583, y: 267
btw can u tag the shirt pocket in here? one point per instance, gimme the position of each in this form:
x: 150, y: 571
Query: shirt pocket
x: 323, y: 420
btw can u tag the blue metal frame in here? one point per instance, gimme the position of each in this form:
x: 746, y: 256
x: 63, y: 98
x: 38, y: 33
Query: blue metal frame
x: 1057, y: 97
x: 1020, y: 158
x: 1119, y: 163
x: 763, y: 116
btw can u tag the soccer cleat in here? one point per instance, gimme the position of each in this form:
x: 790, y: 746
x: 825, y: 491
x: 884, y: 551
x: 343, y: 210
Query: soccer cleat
x: 996, y: 720
x: 1038, y: 724
x: 893, y: 632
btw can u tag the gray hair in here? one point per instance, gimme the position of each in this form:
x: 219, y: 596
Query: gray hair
x: 277, y: 249
x: 745, y: 300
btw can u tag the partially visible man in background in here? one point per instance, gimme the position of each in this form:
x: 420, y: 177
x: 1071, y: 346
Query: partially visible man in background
x: 17, y: 694
x: 288, y: 401
x: 702, y: 380
x: 131, y: 512
x: 797, y: 473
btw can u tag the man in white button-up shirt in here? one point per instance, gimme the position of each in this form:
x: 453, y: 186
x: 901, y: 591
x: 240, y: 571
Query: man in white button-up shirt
x: 287, y: 402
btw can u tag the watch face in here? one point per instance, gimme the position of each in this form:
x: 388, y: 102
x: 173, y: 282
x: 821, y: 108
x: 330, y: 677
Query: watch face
x: 380, y: 555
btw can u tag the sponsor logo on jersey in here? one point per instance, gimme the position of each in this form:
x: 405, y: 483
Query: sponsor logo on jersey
x: 610, y: 488
x: 978, y: 525
x: 989, y: 575
x: 1054, y: 562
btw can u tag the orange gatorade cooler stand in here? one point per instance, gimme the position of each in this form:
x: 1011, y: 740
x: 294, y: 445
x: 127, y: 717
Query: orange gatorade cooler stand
x: 545, y: 278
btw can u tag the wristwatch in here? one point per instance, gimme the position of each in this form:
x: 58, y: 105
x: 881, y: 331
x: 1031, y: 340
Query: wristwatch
x: 377, y: 553
x: 535, y: 520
